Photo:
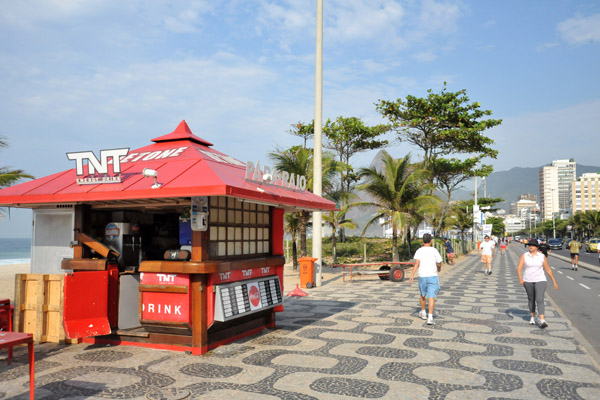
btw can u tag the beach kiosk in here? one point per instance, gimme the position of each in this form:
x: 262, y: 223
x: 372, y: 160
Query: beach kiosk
x: 171, y: 246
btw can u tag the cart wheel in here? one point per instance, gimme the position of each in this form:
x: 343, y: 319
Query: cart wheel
x: 309, y: 285
x: 385, y: 276
x: 397, y: 274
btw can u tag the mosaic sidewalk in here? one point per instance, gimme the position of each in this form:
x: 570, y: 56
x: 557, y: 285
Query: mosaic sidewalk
x: 347, y: 340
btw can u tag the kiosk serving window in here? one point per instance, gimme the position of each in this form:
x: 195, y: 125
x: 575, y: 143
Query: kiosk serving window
x: 237, y: 228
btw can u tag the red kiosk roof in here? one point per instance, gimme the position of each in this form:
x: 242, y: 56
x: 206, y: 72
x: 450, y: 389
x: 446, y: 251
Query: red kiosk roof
x: 186, y: 166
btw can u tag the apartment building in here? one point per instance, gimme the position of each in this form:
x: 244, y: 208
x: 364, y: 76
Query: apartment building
x: 556, y: 188
x: 586, y: 192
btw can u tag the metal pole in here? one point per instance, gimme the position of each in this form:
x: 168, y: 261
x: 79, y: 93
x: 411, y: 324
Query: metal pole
x: 317, y: 162
x: 475, y: 238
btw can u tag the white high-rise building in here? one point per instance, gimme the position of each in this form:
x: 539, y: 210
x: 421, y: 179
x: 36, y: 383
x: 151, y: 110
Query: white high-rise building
x: 586, y: 193
x: 556, y: 186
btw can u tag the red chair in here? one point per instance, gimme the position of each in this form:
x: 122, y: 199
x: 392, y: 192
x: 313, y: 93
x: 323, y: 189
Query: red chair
x: 6, y: 315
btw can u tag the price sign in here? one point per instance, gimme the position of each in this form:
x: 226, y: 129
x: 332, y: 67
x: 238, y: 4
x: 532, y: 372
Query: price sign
x: 237, y: 299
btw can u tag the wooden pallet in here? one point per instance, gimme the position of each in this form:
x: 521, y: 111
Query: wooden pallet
x: 39, y: 306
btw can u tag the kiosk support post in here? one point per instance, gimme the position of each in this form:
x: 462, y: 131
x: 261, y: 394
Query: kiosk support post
x: 199, y: 300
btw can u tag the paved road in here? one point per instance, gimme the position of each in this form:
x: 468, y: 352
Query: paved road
x: 578, y: 295
x: 348, y: 340
x: 590, y: 258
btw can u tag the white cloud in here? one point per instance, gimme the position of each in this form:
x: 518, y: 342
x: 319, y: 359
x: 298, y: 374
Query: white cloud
x: 387, y: 24
x: 580, y: 30
x: 535, y: 139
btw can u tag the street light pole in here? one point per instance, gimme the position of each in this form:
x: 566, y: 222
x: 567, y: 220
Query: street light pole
x: 317, y: 251
x: 553, y: 225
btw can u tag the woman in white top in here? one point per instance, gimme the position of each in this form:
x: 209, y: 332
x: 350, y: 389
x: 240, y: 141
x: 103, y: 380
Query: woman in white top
x: 531, y: 275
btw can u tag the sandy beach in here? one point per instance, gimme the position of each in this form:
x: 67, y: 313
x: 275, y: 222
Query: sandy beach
x: 7, y: 279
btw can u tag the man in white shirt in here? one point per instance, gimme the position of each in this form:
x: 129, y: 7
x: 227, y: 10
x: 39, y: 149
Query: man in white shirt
x: 428, y: 263
x: 487, y: 249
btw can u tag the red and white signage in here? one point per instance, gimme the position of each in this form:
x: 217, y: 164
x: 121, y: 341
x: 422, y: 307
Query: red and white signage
x: 254, y: 296
x: 159, y: 306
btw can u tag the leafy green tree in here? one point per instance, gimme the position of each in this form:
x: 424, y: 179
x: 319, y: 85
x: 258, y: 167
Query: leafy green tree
x: 449, y: 174
x: 462, y: 221
x: 497, y: 225
x: 399, y: 194
x: 337, y: 220
x: 303, y: 130
x: 442, y: 124
x: 349, y: 136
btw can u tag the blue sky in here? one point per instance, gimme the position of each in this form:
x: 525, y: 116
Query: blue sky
x: 97, y: 74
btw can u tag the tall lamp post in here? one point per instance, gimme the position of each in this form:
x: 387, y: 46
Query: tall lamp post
x: 317, y: 161
x: 553, y: 225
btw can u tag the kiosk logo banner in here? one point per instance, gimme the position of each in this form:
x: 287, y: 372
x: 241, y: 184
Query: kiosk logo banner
x: 274, y: 177
x: 100, y: 166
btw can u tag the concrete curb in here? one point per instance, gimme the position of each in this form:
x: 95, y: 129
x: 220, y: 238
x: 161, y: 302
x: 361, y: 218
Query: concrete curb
x: 585, y: 265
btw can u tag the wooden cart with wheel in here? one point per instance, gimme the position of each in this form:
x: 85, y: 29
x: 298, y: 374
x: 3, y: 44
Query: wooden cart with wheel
x: 388, y: 270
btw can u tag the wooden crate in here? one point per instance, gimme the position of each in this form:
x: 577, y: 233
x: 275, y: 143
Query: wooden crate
x: 39, y: 306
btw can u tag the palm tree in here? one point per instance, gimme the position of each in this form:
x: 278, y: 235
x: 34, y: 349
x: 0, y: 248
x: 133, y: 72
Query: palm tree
x: 292, y: 226
x: 463, y: 221
x: 592, y: 221
x: 298, y: 160
x: 337, y: 219
x: 9, y: 176
x: 399, y: 193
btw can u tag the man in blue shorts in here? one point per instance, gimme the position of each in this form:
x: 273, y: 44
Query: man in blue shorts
x: 428, y: 263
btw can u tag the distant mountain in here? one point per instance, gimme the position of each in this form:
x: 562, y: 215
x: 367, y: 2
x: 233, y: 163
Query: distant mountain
x: 512, y: 183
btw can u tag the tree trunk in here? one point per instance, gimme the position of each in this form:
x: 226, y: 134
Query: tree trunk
x: 295, y: 254
x: 462, y: 241
x: 303, y: 225
x: 408, y: 243
x: 333, y: 246
x: 395, y: 256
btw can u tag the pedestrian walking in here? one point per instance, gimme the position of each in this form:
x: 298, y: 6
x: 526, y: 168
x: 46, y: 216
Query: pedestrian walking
x: 449, y: 251
x: 574, y: 247
x: 503, y: 246
x: 530, y: 270
x: 428, y: 263
x: 487, y: 250
x: 544, y: 247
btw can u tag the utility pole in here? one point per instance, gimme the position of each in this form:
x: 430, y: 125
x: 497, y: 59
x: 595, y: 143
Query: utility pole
x: 317, y: 250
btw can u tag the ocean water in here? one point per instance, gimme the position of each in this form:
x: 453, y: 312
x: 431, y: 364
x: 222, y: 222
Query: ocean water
x: 15, y: 251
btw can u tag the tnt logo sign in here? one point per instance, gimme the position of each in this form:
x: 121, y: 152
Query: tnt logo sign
x: 224, y: 275
x: 265, y: 270
x: 98, y: 166
x: 247, y: 273
x: 166, y: 278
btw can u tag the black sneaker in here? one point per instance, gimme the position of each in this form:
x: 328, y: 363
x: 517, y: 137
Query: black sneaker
x: 543, y: 324
x: 489, y: 273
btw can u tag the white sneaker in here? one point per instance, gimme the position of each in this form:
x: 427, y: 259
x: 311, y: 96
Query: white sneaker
x: 430, y: 321
x: 423, y: 314
x: 543, y: 324
x: 532, y: 321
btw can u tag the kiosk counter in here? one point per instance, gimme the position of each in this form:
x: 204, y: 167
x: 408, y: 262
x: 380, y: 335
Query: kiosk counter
x: 173, y: 246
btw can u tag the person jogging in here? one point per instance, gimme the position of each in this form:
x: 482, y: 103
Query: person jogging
x: 487, y: 249
x: 428, y: 263
x: 449, y: 251
x: 574, y: 247
x: 530, y: 270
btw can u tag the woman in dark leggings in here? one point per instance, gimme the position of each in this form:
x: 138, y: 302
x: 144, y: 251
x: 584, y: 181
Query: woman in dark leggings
x: 531, y: 275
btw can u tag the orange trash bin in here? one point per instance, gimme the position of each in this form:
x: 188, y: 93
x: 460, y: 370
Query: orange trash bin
x: 307, y: 272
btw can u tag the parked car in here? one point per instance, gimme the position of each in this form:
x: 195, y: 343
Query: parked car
x: 555, y: 244
x: 592, y: 245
